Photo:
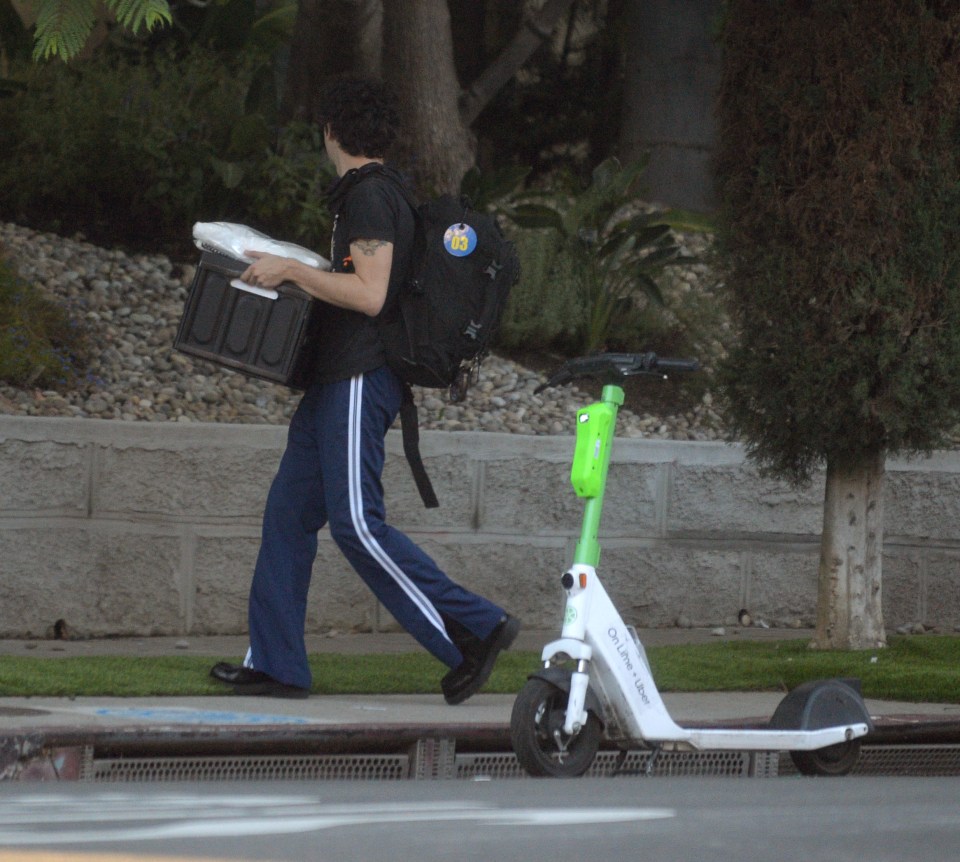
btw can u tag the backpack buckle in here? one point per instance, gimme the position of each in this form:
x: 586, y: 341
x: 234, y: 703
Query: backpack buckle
x: 493, y: 270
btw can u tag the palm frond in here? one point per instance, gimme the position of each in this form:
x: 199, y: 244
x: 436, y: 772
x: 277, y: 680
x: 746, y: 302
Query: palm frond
x: 134, y: 14
x: 62, y: 28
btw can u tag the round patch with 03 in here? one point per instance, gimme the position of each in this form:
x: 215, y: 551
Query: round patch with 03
x: 460, y: 239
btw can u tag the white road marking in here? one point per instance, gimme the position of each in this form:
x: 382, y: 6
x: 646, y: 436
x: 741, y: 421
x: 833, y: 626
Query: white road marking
x: 110, y: 817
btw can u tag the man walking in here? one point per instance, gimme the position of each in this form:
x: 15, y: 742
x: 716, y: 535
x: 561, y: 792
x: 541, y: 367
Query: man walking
x: 331, y: 469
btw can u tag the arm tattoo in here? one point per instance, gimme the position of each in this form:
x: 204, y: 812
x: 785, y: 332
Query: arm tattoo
x: 369, y: 246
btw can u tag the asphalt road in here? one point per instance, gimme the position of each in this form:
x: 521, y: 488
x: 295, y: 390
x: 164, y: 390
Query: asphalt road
x: 680, y: 820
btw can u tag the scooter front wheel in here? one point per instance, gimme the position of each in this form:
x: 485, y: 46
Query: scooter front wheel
x: 536, y: 730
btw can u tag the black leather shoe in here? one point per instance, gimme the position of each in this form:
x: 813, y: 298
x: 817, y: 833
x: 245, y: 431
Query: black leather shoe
x: 247, y: 681
x: 479, y: 658
x: 229, y: 673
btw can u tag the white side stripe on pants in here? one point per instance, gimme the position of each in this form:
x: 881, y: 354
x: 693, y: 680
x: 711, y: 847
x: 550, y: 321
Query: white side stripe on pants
x: 359, y: 523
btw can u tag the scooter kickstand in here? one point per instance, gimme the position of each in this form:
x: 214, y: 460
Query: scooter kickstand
x: 652, y: 760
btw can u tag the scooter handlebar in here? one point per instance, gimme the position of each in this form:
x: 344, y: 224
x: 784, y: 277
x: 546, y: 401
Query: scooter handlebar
x: 676, y: 365
x: 613, y: 367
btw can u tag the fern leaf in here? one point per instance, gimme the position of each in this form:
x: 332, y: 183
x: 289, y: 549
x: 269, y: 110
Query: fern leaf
x: 63, y: 27
x: 134, y: 14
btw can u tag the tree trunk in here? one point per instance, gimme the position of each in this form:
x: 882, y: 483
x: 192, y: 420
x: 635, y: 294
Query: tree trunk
x: 435, y: 147
x: 330, y: 37
x: 671, y: 75
x: 849, y: 613
x: 536, y: 29
x: 468, y: 25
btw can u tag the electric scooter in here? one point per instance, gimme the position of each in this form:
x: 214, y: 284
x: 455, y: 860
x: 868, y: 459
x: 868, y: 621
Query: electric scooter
x: 596, y: 681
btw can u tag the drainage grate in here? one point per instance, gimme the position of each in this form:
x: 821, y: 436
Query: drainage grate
x: 438, y: 759
x: 607, y: 764
x: 253, y: 767
x: 909, y: 760
x: 727, y: 764
x: 433, y: 758
x: 926, y: 760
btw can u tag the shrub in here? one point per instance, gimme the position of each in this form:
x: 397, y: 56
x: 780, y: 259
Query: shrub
x: 284, y: 189
x: 132, y: 149
x: 41, y: 343
x: 118, y: 148
x: 545, y: 305
x: 590, y: 273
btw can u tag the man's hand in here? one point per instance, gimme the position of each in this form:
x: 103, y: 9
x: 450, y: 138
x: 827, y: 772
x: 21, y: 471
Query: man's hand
x: 267, y: 270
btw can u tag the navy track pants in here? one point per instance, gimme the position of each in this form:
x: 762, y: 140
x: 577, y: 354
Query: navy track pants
x: 330, y: 474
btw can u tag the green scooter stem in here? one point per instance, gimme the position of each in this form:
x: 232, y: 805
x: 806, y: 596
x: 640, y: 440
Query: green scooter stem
x: 588, y: 548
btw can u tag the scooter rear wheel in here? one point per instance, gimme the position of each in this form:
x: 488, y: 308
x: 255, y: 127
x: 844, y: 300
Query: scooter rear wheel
x: 536, y: 724
x: 833, y: 760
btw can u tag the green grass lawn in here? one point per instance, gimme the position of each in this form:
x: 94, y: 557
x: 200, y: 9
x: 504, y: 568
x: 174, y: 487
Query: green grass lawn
x: 925, y: 668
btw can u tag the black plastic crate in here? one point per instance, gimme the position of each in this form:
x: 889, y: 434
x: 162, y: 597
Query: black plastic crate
x: 259, y: 336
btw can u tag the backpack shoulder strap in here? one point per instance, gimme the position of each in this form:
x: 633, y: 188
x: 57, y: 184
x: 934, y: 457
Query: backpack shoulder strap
x: 409, y: 428
x: 409, y: 421
x: 390, y: 174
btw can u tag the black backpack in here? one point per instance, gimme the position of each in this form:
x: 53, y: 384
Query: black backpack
x: 441, y: 324
x: 449, y: 307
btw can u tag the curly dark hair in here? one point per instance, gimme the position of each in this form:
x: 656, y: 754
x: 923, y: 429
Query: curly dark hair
x: 362, y: 114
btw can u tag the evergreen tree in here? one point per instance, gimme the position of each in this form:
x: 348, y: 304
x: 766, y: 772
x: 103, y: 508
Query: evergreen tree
x: 839, y: 169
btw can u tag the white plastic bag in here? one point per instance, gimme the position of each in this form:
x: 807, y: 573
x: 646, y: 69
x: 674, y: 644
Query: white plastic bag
x: 234, y: 239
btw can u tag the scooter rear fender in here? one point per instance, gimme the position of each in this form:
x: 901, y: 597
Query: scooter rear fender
x: 822, y: 703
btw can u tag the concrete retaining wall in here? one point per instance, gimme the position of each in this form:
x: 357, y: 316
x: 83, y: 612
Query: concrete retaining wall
x: 140, y: 528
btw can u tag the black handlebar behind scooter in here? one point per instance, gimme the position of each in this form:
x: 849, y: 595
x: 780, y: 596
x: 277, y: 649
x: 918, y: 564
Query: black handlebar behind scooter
x: 613, y: 367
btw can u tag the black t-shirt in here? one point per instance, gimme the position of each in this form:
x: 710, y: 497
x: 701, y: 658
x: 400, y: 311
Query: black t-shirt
x: 367, y: 205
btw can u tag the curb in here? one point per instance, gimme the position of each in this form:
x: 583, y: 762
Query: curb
x: 418, y: 750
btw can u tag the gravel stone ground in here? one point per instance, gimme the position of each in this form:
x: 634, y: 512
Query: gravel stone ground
x: 132, y: 304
